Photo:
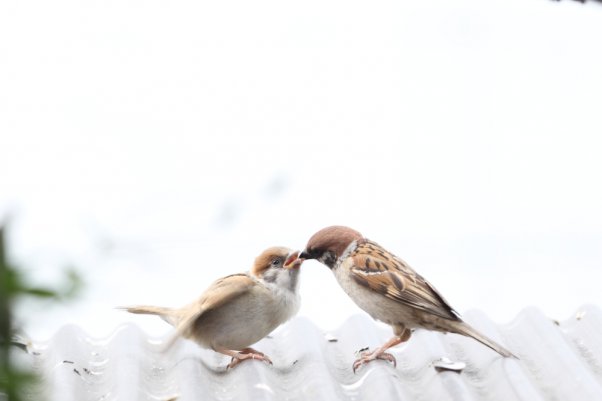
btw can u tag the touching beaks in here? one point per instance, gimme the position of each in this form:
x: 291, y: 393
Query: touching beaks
x: 305, y: 255
x: 293, y: 261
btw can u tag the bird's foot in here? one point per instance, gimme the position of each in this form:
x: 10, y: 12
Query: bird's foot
x: 250, y: 350
x: 248, y: 353
x: 366, y: 356
x: 258, y: 354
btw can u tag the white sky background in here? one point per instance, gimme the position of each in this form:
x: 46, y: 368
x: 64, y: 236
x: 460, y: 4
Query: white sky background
x: 160, y: 145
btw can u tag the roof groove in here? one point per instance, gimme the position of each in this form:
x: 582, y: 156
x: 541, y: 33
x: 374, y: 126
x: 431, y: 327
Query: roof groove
x: 559, y: 361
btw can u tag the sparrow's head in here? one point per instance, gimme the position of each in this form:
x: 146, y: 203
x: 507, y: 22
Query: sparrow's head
x: 278, y: 265
x: 328, y: 244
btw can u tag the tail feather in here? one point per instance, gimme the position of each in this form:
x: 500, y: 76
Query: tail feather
x: 469, y: 331
x: 166, y: 314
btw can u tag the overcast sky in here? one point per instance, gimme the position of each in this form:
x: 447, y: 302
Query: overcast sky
x: 159, y: 145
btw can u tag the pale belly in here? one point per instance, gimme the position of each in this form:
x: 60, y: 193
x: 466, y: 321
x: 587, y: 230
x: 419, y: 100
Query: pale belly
x: 377, y: 305
x: 245, y: 320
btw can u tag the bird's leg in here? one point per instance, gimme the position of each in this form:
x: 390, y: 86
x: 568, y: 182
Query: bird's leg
x: 239, y: 356
x: 380, y: 352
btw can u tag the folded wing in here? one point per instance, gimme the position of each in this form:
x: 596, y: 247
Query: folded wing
x: 375, y: 268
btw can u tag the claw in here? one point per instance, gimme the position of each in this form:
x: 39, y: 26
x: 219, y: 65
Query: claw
x: 366, y: 357
x: 385, y: 356
x: 248, y: 353
x: 233, y: 363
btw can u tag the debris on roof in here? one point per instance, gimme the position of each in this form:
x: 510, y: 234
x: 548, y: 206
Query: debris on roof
x: 558, y: 361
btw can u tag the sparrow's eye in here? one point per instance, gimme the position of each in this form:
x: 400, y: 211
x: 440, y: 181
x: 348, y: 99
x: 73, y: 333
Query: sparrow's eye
x: 276, y: 262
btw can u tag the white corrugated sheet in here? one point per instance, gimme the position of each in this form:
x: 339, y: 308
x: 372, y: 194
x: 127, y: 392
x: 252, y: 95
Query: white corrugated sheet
x: 558, y: 361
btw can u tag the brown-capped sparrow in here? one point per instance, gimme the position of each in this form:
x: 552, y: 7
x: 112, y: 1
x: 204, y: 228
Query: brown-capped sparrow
x: 238, y: 310
x: 388, y: 289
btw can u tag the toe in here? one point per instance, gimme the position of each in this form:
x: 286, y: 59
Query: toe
x: 233, y: 363
x: 385, y: 356
x: 358, y: 363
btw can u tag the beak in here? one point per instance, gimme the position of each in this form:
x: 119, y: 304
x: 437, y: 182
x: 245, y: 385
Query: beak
x: 293, y: 261
x: 305, y: 255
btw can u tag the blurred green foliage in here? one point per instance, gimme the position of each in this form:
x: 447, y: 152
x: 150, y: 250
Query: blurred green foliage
x: 14, y: 381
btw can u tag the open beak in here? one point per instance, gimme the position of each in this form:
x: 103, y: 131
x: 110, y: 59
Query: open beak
x: 293, y: 261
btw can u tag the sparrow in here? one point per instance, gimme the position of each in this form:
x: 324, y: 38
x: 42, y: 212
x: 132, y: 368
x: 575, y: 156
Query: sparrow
x: 388, y: 289
x: 240, y: 309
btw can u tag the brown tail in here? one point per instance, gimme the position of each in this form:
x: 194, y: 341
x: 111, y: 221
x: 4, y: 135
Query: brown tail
x: 466, y: 330
x: 166, y: 314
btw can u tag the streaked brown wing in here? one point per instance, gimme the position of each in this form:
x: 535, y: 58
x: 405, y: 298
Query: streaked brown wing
x: 375, y: 268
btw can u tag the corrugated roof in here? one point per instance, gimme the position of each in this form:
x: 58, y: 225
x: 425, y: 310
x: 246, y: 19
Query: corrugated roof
x: 558, y: 361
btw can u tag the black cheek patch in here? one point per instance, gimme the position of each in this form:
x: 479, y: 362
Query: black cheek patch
x: 329, y: 259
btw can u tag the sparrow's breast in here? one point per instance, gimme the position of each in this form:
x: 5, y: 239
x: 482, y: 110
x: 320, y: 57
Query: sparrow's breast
x: 374, y: 303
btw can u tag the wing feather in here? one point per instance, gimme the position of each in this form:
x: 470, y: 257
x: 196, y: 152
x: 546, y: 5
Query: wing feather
x: 375, y: 268
x: 222, y: 291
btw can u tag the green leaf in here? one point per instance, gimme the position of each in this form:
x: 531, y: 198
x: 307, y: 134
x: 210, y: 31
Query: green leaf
x: 40, y: 292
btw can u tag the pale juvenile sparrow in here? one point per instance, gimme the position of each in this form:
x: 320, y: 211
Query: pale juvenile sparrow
x: 238, y: 310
